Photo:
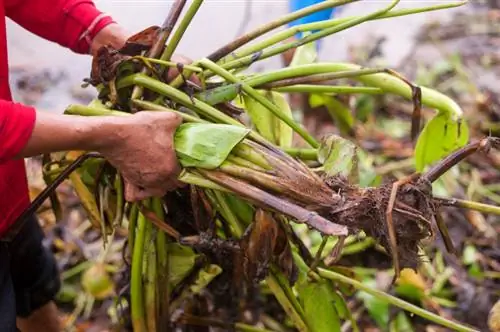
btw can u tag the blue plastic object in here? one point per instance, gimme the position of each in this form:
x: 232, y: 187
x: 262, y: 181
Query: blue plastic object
x: 321, y: 15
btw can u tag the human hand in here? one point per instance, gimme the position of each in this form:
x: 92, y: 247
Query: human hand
x: 113, y: 35
x: 143, y: 151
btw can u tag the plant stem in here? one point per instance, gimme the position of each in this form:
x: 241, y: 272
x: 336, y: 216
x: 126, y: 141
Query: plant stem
x: 387, y: 82
x: 336, y: 89
x: 132, y: 223
x: 261, y: 197
x: 290, y: 32
x: 76, y: 109
x: 262, y: 100
x: 394, y: 301
x: 471, y: 205
x: 289, y: 306
x: 223, y: 51
x: 161, y: 39
x: 229, y: 215
x: 167, y: 63
x: 162, y: 259
x: 181, y: 29
x: 249, y: 59
x: 319, y: 78
x: 178, y: 96
x: 147, y: 105
x: 304, y: 154
x: 150, y: 284
x: 136, y: 291
x: 195, y: 179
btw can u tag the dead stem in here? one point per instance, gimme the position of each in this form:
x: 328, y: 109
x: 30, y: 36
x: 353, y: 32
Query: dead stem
x: 38, y: 201
x: 444, y: 165
x: 261, y: 197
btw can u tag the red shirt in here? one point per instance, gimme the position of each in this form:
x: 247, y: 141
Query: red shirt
x: 70, y: 23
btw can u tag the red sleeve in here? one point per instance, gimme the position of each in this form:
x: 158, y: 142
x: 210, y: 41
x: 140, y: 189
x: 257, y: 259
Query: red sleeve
x: 70, y: 23
x: 16, y: 125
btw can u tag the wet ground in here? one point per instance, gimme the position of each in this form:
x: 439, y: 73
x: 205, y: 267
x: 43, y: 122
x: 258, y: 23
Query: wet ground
x: 217, y: 23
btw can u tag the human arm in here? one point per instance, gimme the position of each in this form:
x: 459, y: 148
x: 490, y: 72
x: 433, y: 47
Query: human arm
x: 73, y: 24
x: 140, y: 146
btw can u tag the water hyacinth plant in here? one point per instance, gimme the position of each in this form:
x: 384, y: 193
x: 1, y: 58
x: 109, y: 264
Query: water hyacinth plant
x: 210, y: 254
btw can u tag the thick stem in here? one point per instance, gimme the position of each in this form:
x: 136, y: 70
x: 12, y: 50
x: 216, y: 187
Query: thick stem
x: 394, y: 301
x: 150, y: 284
x: 454, y: 158
x: 290, y: 32
x: 181, y: 29
x: 149, y: 106
x: 223, y: 51
x: 249, y: 59
x: 262, y: 100
x: 301, y: 215
x: 303, y: 154
x: 319, y: 78
x: 136, y: 290
x: 335, y: 89
x: 161, y: 39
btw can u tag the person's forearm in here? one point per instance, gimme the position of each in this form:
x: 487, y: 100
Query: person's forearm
x: 54, y: 133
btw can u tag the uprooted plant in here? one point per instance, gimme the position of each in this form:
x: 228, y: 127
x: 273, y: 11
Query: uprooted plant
x: 218, y: 247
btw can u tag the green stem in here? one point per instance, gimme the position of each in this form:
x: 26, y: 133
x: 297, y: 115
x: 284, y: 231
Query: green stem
x: 132, y: 223
x: 76, y: 109
x: 167, y: 63
x: 195, y: 179
x: 290, y: 32
x: 162, y: 261
x: 227, y: 49
x: 147, y: 105
x: 181, y: 29
x: 150, y: 286
x: 307, y: 88
x: 178, y: 96
x: 289, y: 303
x: 471, y: 205
x: 249, y: 59
x: 229, y: 215
x: 386, y: 82
x: 262, y: 100
x: 394, y: 301
x: 137, y: 303
x: 304, y: 154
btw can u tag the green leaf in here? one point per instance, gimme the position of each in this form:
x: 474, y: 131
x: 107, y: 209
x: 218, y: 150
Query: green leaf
x: 206, y: 145
x: 304, y: 54
x: 261, y: 117
x: 470, y: 255
x: 319, y: 302
x: 244, y: 211
x: 181, y: 260
x: 283, y: 132
x: 440, y: 137
x: 339, y: 157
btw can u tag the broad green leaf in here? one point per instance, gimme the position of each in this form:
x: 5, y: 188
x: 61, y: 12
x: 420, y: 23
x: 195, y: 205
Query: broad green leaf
x: 339, y: 157
x: 206, y: 145
x: 319, y: 302
x: 304, y: 54
x: 283, y: 132
x: 440, y: 137
x: 261, y: 117
x: 181, y: 260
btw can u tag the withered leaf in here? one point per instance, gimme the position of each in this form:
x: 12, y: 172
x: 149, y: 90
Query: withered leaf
x: 141, y: 41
